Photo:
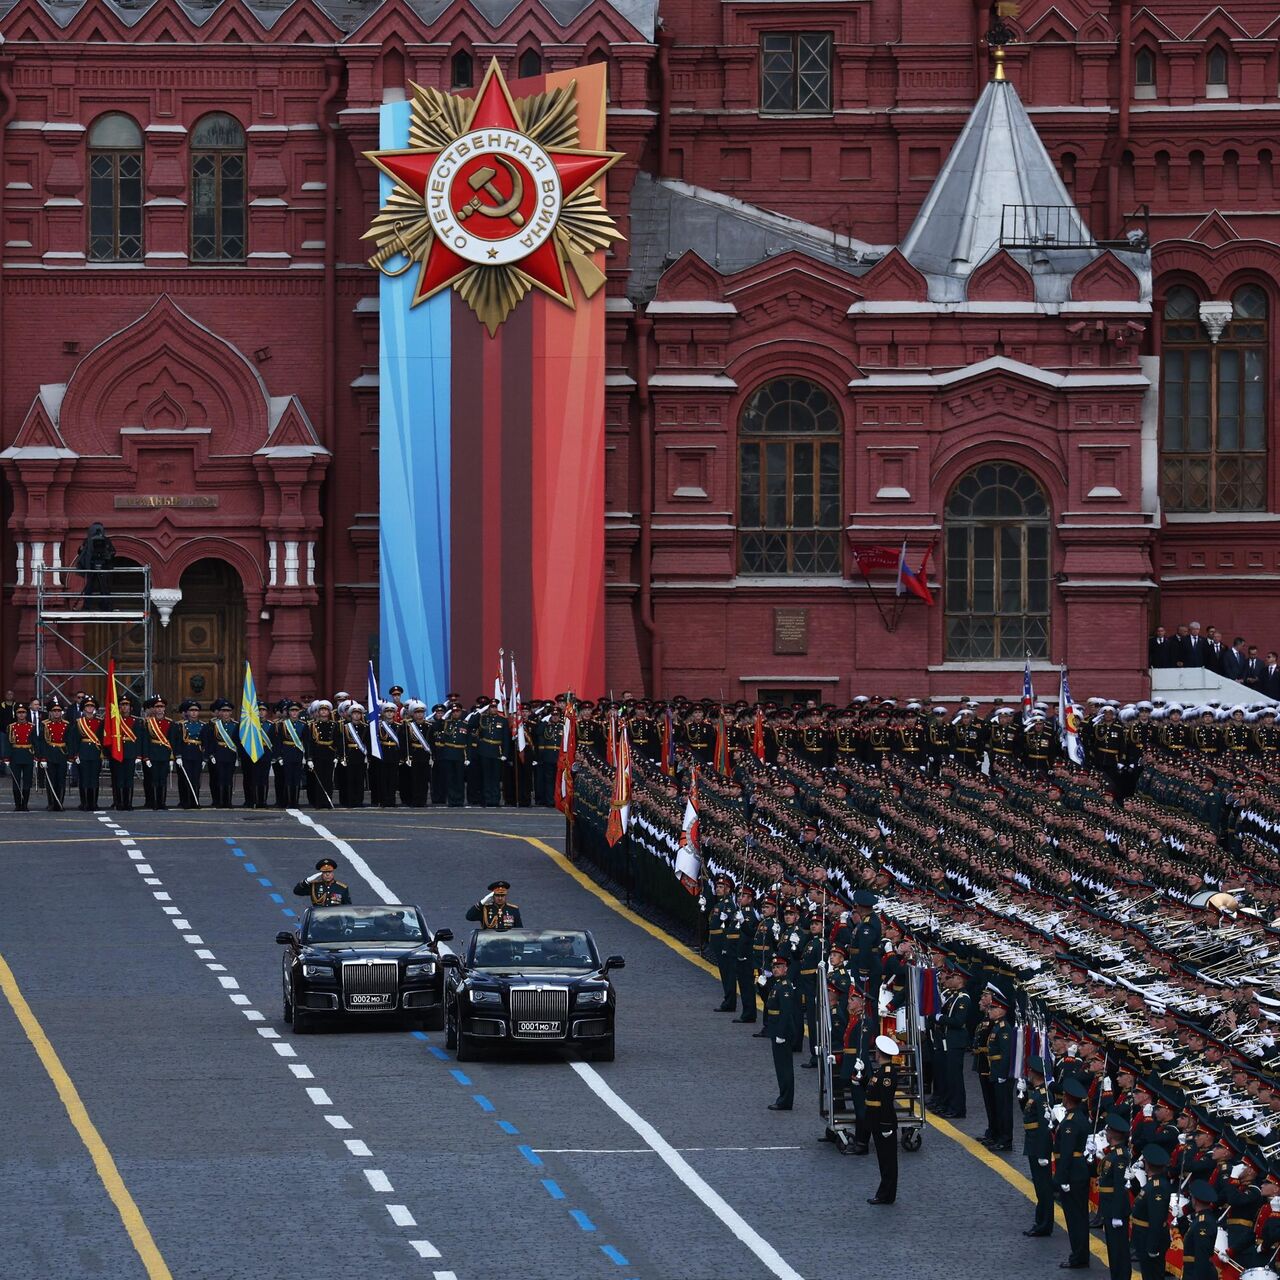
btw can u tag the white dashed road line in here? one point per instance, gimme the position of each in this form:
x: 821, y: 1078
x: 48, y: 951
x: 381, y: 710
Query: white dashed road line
x: 376, y: 1178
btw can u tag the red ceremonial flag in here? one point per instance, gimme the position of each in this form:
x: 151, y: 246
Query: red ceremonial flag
x: 722, y: 747
x: 620, y: 805
x: 113, y: 734
x: 564, y: 761
x: 668, y: 743
x: 611, y: 747
x: 913, y: 583
x: 757, y: 735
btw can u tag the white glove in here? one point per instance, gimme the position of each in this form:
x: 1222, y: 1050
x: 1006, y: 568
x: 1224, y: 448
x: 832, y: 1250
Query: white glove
x: 1237, y: 1171
x: 1072, y: 1050
x: 859, y: 1065
x: 1106, y: 1084
x: 1059, y: 1113
x: 1184, y: 1203
x: 1183, y: 1139
x: 314, y: 876
x: 1044, y: 1164
x: 1022, y: 1088
x: 1117, y: 1222
x: 831, y: 1059
x: 1168, y: 1055
x: 311, y: 765
x: 762, y: 980
x: 1090, y: 1146
x: 1220, y: 1244
x: 1065, y: 1186
x: 488, y: 898
x: 779, y: 1040
x: 702, y: 902
x: 937, y: 1017
x: 1275, y: 1204
x: 1140, y: 1177
x: 1147, y: 1111
x: 1100, y: 1143
x: 1212, y: 1091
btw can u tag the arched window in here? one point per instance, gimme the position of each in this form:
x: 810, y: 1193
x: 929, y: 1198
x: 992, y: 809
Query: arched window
x: 1215, y: 73
x: 461, y: 70
x: 217, y: 190
x: 1214, y: 448
x: 1144, y: 74
x: 530, y: 64
x: 789, y: 481
x: 997, y: 565
x: 115, y: 189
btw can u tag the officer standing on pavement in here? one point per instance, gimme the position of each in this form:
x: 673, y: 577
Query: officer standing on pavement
x: 493, y: 911
x: 1200, y: 1233
x: 768, y: 931
x: 1037, y: 1146
x: 782, y: 1016
x: 719, y: 921
x: 288, y: 747
x: 54, y: 752
x: 1000, y: 1064
x: 745, y: 920
x: 322, y: 887
x: 84, y: 738
x: 492, y: 750
x: 221, y: 739
x: 1072, y: 1170
x: 189, y: 753
x: 882, y: 1116
x: 157, y: 753
x: 1150, y: 1213
x: 1113, y: 1196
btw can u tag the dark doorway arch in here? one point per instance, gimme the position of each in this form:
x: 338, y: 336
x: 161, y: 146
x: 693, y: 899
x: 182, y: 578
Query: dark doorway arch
x: 200, y: 654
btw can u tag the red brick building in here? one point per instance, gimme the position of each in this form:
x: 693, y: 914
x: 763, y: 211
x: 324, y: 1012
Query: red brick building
x: 866, y: 296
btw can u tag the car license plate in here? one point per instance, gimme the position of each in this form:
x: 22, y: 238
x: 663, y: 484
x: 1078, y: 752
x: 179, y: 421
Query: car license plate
x: 355, y: 1000
x: 535, y: 1028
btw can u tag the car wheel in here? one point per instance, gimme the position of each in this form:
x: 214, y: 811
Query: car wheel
x: 466, y: 1048
x: 603, y: 1052
x: 450, y: 1033
x: 302, y: 1022
x: 434, y: 1020
x: 288, y: 1004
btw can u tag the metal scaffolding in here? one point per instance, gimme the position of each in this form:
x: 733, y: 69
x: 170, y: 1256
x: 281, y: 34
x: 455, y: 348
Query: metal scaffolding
x: 93, y: 616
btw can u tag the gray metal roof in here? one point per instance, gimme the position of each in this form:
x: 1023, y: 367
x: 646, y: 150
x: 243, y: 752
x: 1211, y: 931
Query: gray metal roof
x: 998, y: 160
x: 669, y: 218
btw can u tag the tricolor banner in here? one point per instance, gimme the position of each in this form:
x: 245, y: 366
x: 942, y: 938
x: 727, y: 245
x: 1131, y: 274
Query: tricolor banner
x: 491, y: 444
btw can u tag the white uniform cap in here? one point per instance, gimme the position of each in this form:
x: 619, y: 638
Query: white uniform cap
x: 887, y: 1046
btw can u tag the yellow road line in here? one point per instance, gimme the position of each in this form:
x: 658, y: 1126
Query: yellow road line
x: 102, y: 1159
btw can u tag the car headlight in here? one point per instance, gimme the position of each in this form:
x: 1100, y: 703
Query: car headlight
x: 425, y: 970
x: 588, y: 998
x: 316, y: 971
x: 486, y: 997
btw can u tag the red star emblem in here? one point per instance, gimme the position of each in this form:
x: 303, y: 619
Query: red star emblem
x: 493, y: 109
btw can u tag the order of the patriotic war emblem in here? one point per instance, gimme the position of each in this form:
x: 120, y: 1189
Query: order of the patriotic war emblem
x: 493, y: 197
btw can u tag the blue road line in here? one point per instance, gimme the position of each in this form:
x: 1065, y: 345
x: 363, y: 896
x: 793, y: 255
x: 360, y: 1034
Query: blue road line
x: 531, y: 1156
x: 230, y: 839
x: 582, y: 1220
x: 275, y: 897
x: 507, y: 1127
x: 264, y: 882
x: 250, y: 868
x: 290, y: 912
x: 613, y: 1255
x: 439, y: 1053
x: 238, y: 852
x: 418, y: 1035
x: 482, y: 1102
x: 460, y: 1076
x: 553, y: 1189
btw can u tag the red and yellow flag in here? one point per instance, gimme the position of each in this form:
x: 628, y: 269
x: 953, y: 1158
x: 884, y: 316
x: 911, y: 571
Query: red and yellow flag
x: 564, y: 761
x: 113, y: 732
x: 723, y: 766
x: 620, y: 805
x: 757, y: 735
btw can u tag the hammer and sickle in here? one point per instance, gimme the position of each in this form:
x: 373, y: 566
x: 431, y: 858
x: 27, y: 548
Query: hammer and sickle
x: 481, y: 182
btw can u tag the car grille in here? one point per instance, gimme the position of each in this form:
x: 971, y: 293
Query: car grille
x: 539, y: 1013
x: 369, y: 986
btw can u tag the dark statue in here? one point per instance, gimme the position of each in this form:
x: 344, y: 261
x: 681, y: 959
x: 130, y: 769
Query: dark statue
x: 95, y: 555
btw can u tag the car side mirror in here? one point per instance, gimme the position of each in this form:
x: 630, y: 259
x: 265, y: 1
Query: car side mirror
x: 614, y: 962
x: 450, y: 961
x: 285, y: 938
x: 444, y: 935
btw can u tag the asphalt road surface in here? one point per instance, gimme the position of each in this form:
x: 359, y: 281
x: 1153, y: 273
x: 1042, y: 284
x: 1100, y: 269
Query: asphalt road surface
x: 159, y: 1117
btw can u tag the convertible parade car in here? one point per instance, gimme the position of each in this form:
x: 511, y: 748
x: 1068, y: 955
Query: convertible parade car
x: 351, y: 961
x: 529, y: 987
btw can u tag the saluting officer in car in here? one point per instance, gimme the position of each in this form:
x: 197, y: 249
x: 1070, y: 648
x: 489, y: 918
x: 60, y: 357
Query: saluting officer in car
x: 323, y: 887
x: 493, y: 911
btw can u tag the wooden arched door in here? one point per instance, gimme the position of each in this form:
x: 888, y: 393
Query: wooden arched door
x: 200, y: 654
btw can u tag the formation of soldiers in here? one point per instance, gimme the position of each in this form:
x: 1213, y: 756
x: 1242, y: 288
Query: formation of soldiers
x: 457, y: 754
x: 1104, y: 940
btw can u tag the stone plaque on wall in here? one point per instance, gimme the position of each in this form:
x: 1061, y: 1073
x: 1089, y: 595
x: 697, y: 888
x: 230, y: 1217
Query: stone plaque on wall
x: 791, y: 631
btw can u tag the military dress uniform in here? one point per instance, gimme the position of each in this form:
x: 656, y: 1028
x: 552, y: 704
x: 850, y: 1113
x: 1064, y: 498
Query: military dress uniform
x: 1113, y: 1205
x: 1199, y: 1237
x: 1037, y: 1147
x: 1004, y: 740
x: 882, y: 1116
x: 764, y: 942
x: 84, y: 741
x: 1149, y: 1217
x: 500, y: 918
x: 221, y: 740
x: 969, y: 741
x: 417, y: 763
x: 255, y: 775
x: 451, y: 746
x: 856, y: 1061
x: 743, y: 956
x: 782, y: 1016
x: 20, y: 743
x: 1108, y: 747
x: 384, y: 771
x: 354, y: 751
x: 492, y: 749
x: 54, y: 749
x: 333, y: 894
x: 956, y: 1006
x: 188, y: 748
x: 289, y: 749
x: 719, y: 921
x: 548, y: 735
x: 1000, y: 1065
x: 124, y: 771
x: 1071, y: 1172
x: 157, y: 760
x: 322, y: 754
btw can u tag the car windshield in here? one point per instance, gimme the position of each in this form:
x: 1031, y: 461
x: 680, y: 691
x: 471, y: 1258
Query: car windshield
x: 363, y: 926
x: 518, y: 950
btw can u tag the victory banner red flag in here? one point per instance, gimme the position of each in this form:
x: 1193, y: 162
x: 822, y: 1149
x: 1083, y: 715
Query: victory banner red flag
x: 564, y: 761
x: 113, y: 734
x: 620, y: 804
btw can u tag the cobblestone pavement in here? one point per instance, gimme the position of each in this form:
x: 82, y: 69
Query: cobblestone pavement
x: 146, y: 953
